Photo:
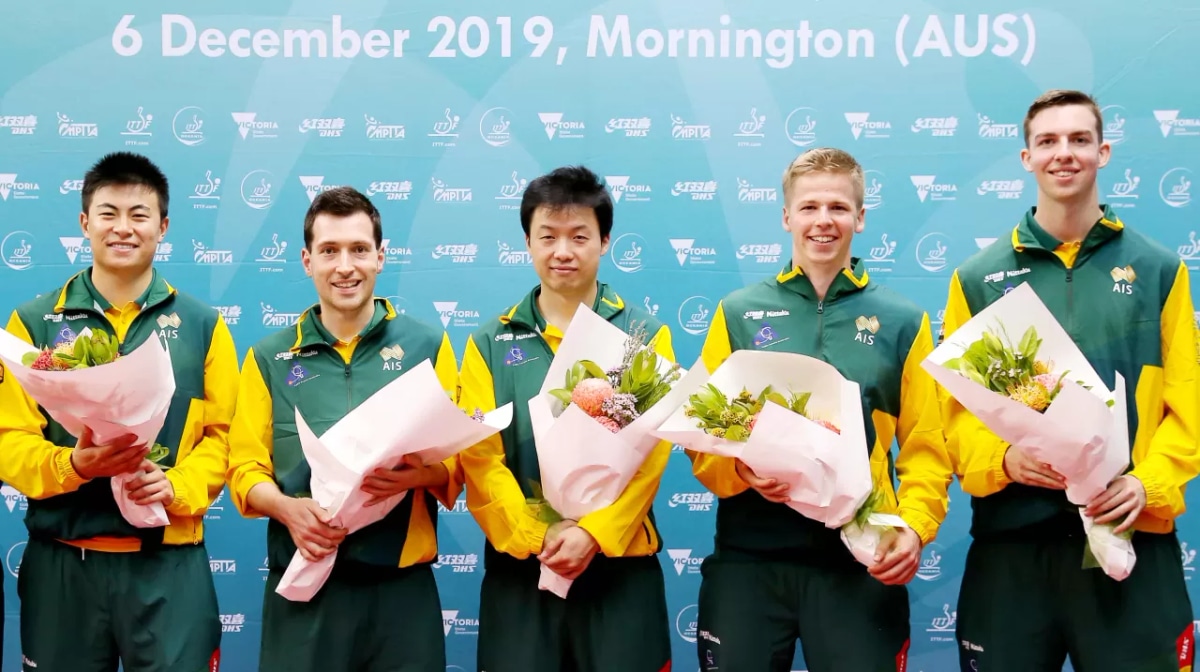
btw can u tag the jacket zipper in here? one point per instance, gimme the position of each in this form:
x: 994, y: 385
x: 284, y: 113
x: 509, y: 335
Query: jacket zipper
x: 1070, y: 304
x: 349, y: 398
x: 820, y: 325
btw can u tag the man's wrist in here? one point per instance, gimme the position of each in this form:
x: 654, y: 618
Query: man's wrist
x: 436, y: 475
x: 75, y: 466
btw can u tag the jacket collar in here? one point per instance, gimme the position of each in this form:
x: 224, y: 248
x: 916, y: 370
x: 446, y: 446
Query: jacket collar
x: 849, y: 281
x: 1029, y: 235
x: 310, y: 331
x: 526, y: 313
x: 80, y: 294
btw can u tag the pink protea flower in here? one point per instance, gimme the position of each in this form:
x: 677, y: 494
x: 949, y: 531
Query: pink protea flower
x: 828, y: 425
x: 609, y: 423
x: 1046, y: 380
x: 590, y: 395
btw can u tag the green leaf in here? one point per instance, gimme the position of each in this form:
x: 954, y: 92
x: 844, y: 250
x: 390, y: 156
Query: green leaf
x: 562, y: 395
x: 593, y: 369
x: 736, y: 433
x: 158, y: 453
x: 1089, y: 559
x: 29, y: 358
x: 800, y: 405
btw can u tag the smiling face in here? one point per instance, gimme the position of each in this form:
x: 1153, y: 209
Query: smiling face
x: 343, y: 261
x: 1065, y: 153
x: 124, y: 225
x: 566, y: 247
x: 823, y: 213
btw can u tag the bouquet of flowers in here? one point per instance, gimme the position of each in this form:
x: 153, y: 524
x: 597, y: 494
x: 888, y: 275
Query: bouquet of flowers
x: 814, y: 441
x: 1013, y: 371
x: 84, y: 381
x: 1075, y: 424
x: 592, y: 420
x: 734, y: 420
x: 83, y: 351
x: 422, y: 421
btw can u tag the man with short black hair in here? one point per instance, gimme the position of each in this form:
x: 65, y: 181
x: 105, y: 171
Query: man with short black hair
x: 94, y: 589
x: 615, y: 615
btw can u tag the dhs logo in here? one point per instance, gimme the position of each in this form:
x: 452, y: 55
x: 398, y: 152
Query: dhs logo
x: 694, y: 501
x: 458, y: 564
x: 761, y: 253
x: 232, y: 622
x: 684, y: 562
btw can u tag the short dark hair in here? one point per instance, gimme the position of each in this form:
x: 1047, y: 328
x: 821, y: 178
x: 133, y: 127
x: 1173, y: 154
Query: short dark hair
x: 124, y: 169
x: 1062, y: 98
x: 342, y: 202
x: 568, y: 187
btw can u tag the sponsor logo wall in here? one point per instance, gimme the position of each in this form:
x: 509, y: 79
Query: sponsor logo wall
x: 690, y: 113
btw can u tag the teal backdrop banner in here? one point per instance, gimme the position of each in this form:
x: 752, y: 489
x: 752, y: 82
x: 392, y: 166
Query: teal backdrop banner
x: 442, y: 112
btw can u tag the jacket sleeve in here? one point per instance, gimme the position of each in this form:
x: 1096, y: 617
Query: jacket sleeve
x: 615, y: 526
x: 976, y: 453
x: 446, y: 366
x: 28, y: 462
x: 493, y: 495
x: 718, y: 474
x: 251, y: 435
x: 923, y: 464
x: 199, y: 473
x: 1171, y: 457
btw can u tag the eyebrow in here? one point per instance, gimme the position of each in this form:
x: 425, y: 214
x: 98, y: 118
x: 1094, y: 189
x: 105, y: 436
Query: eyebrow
x: 572, y: 229
x: 139, y: 206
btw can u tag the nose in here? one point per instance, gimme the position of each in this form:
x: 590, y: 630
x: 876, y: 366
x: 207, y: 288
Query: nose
x: 562, y: 249
x: 344, y: 264
x: 122, y: 226
x: 824, y: 216
x: 1062, y: 151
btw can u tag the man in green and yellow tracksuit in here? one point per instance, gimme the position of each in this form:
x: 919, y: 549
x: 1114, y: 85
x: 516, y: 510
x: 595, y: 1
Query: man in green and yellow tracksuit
x: 776, y: 576
x: 615, y: 615
x: 94, y: 589
x: 1026, y: 603
x: 379, y: 610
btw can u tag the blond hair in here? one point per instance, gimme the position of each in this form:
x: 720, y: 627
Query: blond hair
x: 825, y: 160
